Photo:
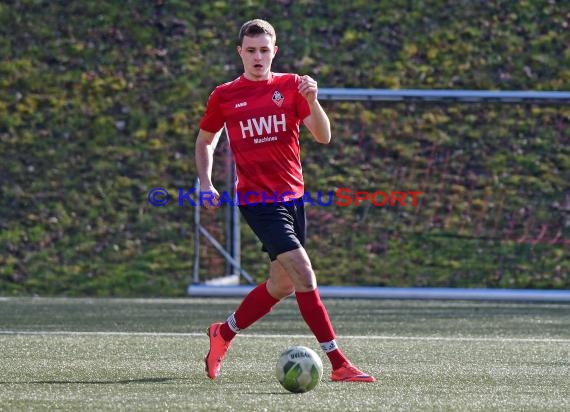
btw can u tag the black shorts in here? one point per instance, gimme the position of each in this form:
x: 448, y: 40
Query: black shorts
x: 281, y: 227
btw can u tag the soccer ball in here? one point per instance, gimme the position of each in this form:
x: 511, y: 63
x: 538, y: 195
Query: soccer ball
x: 299, y: 369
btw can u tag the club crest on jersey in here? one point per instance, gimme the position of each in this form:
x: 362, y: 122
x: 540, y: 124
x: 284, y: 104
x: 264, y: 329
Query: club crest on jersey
x: 277, y: 98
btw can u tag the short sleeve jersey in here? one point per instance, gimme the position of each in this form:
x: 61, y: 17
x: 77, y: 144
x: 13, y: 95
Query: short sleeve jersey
x: 262, y: 120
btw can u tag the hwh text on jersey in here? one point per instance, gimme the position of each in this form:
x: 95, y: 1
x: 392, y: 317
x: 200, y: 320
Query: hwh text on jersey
x: 263, y: 125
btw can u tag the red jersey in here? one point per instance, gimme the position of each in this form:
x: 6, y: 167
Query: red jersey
x: 262, y: 121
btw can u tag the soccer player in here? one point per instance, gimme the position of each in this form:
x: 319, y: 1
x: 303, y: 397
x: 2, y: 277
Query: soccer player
x: 261, y: 112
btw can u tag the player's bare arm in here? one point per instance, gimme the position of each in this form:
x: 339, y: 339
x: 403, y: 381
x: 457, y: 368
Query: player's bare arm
x: 206, y: 143
x: 317, y: 122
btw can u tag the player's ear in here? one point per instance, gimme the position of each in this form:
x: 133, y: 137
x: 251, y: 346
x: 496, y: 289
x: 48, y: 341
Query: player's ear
x: 238, y: 48
x: 275, y: 48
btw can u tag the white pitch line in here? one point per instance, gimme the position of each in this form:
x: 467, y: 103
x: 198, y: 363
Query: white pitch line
x: 278, y: 336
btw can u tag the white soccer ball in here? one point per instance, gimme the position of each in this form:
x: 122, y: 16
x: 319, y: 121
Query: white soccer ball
x: 299, y: 369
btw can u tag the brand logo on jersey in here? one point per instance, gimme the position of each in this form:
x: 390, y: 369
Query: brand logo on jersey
x: 240, y: 104
x: 263, y: 125
x: 277, y: 98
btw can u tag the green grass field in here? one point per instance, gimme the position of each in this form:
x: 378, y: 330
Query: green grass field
x: 139, y: 354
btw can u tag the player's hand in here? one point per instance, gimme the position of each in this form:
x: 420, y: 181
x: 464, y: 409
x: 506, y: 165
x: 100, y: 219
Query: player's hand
x: 308, y: 88
x: 209, y: 197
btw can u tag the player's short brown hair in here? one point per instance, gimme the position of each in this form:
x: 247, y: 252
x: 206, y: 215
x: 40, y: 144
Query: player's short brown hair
x: 254, y: 28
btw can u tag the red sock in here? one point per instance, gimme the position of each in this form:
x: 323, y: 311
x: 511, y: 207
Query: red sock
x: 317, y: 318
x: 255, y: 305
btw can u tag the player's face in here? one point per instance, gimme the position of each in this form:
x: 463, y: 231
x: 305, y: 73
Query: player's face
x: 257, y: 53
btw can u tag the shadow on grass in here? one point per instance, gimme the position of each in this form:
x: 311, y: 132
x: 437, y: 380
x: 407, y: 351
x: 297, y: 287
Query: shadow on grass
x: 272, y: 393
x: 117, y: 382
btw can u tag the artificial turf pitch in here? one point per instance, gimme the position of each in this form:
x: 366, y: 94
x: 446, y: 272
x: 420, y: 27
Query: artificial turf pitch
x: 147, y: 354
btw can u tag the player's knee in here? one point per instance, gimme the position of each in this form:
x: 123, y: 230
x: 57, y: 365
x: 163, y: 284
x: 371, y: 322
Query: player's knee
x: 306, y: 285
x: 304, y: 280
x: 287, y: 290
x: 280, y: 289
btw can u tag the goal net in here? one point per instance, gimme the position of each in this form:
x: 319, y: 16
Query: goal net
x: 494, y: 209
